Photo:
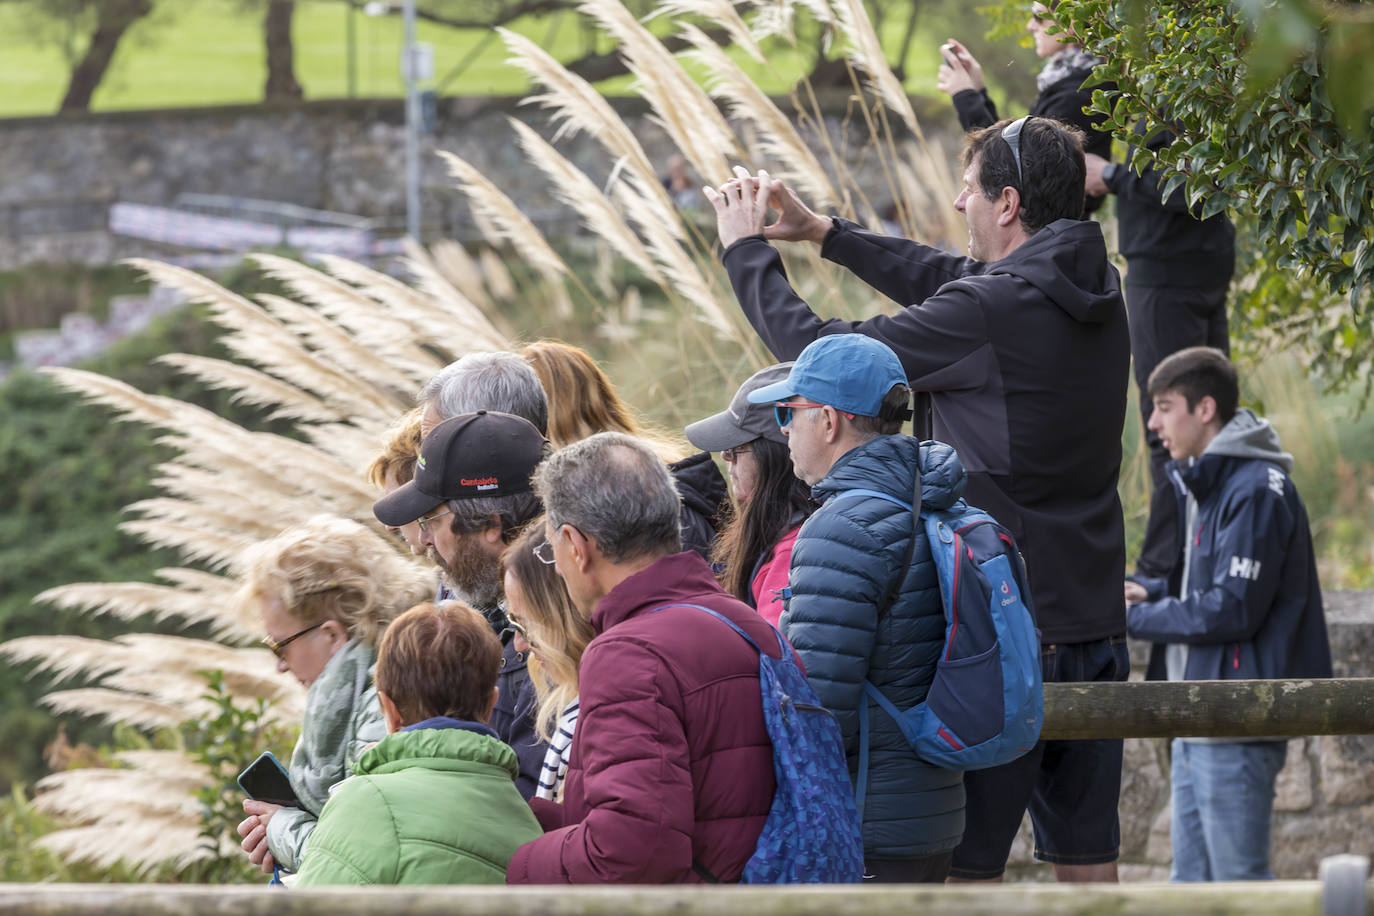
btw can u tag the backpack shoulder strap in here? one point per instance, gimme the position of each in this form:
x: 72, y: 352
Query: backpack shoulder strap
x: 896, y: 588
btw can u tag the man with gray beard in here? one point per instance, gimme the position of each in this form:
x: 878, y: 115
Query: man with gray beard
x: 471, y: 496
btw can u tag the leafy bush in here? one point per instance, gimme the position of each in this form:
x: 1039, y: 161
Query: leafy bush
x: 1259, y: 136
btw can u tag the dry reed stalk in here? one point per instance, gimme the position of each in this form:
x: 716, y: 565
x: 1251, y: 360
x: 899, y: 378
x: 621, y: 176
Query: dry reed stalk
x: 133, y: 600
x: 574, y: 188
x: 721, y: 12
x: 577, y: 107
x: 687, y: 113
x: 865, y: 51
x: 252, y: 387
x: 440, y: 284
x: 514, y: 227
x: 790, y: 156
x: 455, y: 266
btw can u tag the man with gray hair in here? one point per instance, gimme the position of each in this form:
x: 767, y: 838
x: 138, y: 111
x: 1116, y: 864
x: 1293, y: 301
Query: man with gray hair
x: 499, y: 380
x: 670, y: 777
x: 471, y: 496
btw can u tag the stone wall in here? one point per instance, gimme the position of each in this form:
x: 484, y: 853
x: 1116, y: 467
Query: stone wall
x: 1325, y: 793
x: 63, y: 172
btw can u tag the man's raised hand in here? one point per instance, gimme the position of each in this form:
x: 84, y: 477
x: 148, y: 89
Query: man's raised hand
x: 741, y: 205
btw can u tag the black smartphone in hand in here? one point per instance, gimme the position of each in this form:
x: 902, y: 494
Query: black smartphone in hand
x: 266, y: 780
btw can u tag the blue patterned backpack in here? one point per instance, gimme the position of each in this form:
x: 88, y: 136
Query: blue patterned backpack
x: 811, y: 835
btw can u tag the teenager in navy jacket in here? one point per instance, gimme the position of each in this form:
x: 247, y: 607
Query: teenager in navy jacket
x: 1243, y: 602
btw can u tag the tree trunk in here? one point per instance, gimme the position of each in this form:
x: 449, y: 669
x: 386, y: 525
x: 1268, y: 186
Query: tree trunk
x: 114, y: 19
x: 281, y: 56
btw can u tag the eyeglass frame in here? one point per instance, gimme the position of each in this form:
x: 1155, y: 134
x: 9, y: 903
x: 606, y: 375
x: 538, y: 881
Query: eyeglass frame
x: 782, y: 411
x: 519, y: 628
x: 1012, y: 135
x: 538, y: 552
x: 279, y: 648
x: 423, y: 520
x: 731, y: 455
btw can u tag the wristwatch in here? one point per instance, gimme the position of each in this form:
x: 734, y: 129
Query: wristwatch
x: 1109, y: 172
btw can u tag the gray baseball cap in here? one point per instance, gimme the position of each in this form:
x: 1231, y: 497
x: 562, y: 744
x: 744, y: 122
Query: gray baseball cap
x: 742, y: 422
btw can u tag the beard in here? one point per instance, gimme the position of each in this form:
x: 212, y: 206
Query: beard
x: 473, y: 573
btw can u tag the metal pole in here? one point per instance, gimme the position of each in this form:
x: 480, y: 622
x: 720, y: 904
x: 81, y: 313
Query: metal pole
x: 412, y: 126
x: 352, y: 31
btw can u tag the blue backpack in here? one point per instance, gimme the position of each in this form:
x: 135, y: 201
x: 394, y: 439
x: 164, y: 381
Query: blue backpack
x: 985, y: 704
x: 811, y: 835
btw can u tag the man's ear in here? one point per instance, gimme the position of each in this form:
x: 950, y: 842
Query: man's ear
x: 491, y: 535
x: 1008, y: 206
x: 581, y: 548
x: 1206, y: 409
x: 390, y: 713
x: 830, y: 418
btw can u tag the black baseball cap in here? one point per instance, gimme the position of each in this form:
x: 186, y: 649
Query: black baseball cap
x: 466, y: 457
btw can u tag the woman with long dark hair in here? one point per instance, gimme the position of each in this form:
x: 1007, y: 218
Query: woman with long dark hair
x: 754, y: 548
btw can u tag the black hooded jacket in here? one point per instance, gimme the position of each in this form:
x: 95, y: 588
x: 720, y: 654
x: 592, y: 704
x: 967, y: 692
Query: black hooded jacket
x: 703, y: 491
x: 1024, y: 363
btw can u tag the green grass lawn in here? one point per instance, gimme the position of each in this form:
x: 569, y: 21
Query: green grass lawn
x: 209, y: 52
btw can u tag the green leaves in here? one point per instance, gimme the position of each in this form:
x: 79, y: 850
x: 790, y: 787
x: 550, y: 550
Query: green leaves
x: 1271, y: 104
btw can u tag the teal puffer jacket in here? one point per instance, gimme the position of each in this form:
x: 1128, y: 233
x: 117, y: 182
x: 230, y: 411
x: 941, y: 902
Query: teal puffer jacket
x: 434, y: 805
x: 843, y: 566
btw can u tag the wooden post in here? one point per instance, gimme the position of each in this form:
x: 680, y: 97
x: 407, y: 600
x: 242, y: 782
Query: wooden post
x: 1217, y: 709
x: 1271, y: 898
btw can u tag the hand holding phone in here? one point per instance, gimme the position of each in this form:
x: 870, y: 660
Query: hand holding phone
x: 266, y: 780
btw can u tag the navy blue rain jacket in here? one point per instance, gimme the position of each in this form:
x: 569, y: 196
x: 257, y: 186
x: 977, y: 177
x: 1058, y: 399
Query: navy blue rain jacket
x: 1254, y: 605
x: 845, y: 560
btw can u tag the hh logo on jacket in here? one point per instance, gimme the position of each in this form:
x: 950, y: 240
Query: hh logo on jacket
x: 1245, y: 568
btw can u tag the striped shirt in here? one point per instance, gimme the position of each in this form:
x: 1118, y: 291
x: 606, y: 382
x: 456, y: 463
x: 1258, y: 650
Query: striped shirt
x: 555, y: 768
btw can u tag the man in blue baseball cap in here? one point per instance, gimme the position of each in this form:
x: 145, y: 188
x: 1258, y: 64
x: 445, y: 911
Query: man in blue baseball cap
x: 860, y: 559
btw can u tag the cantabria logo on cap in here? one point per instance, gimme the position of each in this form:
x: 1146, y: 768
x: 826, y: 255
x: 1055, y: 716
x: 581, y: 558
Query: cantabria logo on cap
x: 481, y: 483
x: 420, y: 461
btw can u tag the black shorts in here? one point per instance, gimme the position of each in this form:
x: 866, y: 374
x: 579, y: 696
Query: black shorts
x: 1071, y: 787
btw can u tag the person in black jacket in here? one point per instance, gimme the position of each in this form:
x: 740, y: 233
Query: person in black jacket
x: 1178, y: 271
x: 1250, y: 606
x: 1021, y: 352
x: 1060, y: 84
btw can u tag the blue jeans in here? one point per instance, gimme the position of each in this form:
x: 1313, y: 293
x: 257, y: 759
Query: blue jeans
x: 1223, y: 800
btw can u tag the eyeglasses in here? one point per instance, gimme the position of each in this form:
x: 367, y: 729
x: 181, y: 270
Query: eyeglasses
x: 543, y: 552
x: 423, y: 522
x: 731, y: 455
x: 279, y: 648
x: 782, y: 411
x: 1012, y: 134
x: 519, y: 627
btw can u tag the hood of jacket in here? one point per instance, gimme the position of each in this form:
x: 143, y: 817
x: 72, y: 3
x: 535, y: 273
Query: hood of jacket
x: 1249, y: 435
x: 453, y: 746
x: 888, y: 463
x: 1067, y: 261
x: 700, y: 484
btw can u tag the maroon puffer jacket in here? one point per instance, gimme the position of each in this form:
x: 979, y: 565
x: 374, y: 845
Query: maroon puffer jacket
x: 670, y: 760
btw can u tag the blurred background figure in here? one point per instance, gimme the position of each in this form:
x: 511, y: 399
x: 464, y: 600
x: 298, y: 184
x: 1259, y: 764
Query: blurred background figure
x: 1060, y: 84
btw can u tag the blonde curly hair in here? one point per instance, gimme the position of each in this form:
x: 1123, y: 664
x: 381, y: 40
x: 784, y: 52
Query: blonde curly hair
x: 331, y: 568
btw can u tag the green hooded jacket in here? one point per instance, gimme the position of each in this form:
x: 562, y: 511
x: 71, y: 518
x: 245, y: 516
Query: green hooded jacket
x: 433, y: 805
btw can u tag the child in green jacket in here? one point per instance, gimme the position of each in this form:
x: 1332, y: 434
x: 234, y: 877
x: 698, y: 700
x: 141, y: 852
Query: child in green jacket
x: 434, y: 802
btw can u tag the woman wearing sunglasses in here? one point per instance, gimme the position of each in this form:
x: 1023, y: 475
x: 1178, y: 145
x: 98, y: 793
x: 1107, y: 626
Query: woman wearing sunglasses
x: 542, y: 613
x: 323, y: 592
x: 754, y: 549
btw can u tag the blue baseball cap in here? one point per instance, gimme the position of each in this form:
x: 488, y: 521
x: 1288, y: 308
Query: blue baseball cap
x: 850, y: 372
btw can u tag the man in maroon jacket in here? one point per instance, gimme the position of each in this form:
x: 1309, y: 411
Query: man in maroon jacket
x: 671, y: 774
